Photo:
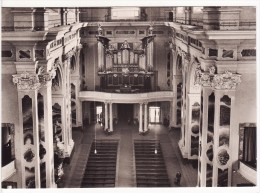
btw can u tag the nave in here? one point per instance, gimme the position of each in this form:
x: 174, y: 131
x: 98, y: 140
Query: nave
x: 126, y: 173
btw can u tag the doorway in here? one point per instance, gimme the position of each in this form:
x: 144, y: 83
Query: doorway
x: 154, y: 114
x: 99, y: 114
x: 125, y: 112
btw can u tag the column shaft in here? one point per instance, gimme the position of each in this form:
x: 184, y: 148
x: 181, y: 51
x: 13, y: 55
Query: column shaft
x: 36, y: 139
x: 141, y: 118
x: 145, y: 117
x: 111, y: 117
x: 48, y: 132
x: 106, y: 117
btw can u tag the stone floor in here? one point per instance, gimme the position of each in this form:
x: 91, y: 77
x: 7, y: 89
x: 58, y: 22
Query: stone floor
x: 126, y: 134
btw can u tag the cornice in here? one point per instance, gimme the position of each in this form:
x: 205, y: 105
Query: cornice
x: 126, y: 24
x: 230, y: 35
x: 13, y: 36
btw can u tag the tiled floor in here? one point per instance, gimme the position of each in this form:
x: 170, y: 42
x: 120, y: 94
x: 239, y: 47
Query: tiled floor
x: 126, y: 134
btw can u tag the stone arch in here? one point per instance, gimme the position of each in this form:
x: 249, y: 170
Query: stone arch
x: 178, y: 67
x: 73, y: 64
x: 192, y: 87
x: 82, y: 63
x: 73, y: 104
x: 57, y: 80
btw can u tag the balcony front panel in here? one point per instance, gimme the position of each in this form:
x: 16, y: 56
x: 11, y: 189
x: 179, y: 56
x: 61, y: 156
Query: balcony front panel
x: 126, y: 97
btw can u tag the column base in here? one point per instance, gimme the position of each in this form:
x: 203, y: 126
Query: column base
x: 182, y: 149
x: 174, y: 127
x: 78, y: 124
x: 107, y: 132
x: 69, y: 153
x: 144, y: 132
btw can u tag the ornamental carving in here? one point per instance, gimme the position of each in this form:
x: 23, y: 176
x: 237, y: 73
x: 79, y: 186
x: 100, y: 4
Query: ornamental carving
x: 79, y: 47
x: 29, y: 155
x: 227, y: 80
x: 68, y: 55
x: 202, y: 78
x: 150, y: 30
x: 100, y: 30
x: 223, y: 157
x: 186, y: 56
x: 224, y: 81
x: 45, y: 77
x: 27, y: 81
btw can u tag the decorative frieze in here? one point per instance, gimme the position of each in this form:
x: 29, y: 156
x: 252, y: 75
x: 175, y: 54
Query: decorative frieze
x: 224, y: 81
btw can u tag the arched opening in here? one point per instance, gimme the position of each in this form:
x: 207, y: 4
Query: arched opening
x: 73, y: 105
x: 72, y: 64
x: 57, y: 81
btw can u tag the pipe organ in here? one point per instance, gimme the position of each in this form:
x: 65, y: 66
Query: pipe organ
x: 126, y: 66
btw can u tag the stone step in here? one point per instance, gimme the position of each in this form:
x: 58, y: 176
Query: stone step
x: 97, y: 185
x: 100, y: 176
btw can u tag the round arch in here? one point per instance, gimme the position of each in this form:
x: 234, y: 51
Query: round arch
x: 191, y: 86
x: 57, y: 80
x: 73, y: 64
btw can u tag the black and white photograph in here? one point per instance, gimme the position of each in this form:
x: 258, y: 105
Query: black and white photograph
x: 135, y: 96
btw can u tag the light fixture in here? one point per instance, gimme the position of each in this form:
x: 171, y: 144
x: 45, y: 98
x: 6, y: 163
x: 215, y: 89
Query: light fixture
x: 95, y: 151
x: 155, y: 151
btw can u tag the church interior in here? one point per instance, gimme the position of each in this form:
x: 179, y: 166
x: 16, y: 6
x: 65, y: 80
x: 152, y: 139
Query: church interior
x: 128, y: 97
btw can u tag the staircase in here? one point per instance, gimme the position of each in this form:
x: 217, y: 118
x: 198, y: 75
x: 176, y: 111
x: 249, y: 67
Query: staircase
x: 100, y: 170
x: 150, y: 167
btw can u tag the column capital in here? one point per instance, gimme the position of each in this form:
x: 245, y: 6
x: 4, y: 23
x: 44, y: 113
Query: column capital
x: 186, y: 56
x: 27, y: 81
x: 68, y: 55
x: 223, y: 81
x: 46, y: 77
x: 226, y: 81
x: 79, y: 47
